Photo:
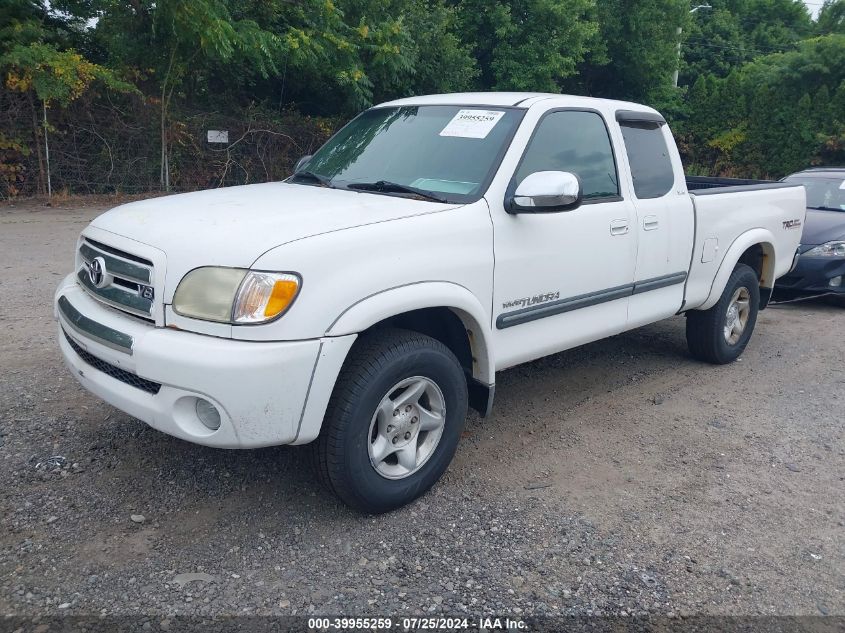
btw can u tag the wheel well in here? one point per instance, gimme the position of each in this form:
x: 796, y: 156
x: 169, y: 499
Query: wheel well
x: 760, y: 257
x: 753, y: 257
x: 444, y: 325
x: 440, y: 324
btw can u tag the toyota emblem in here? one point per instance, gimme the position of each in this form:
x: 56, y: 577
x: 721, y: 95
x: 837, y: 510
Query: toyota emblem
x: 97, y: 272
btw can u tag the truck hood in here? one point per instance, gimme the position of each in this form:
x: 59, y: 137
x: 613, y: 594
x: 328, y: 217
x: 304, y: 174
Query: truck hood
x: 233, y: 226
x: 823, y: 226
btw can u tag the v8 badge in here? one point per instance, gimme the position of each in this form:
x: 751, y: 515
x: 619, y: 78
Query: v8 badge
x: 146, y: 292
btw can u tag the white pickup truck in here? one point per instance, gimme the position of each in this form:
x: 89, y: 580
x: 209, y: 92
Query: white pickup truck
x: 365, y: 302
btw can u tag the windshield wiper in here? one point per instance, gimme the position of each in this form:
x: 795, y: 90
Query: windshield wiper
x: 310, y: 175
x: 827, y: 208
x: 385, y: 186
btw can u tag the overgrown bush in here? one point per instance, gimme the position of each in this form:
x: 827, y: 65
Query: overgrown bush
x: 110, y: 144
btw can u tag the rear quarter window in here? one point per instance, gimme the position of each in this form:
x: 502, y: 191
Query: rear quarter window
x: 648, y: 156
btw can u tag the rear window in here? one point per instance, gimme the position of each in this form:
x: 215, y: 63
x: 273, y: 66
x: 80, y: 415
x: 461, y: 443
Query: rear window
x: 648, y: 155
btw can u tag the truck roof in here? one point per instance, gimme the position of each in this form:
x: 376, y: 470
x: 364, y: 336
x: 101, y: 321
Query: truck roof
x: 514, y: 99
x: 820, y: 171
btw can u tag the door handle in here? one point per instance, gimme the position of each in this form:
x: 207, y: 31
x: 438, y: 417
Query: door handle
x: 619, y: 227
x: 650, y: 223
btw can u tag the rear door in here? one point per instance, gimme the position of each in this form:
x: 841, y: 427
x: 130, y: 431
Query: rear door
x: 665, y: 221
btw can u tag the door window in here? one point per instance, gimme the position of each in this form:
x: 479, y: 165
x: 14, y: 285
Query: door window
x: 648, y: 155
x: 576, y: 142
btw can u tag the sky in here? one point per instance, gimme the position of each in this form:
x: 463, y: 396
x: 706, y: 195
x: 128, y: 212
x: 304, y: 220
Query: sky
x: 814, y: 6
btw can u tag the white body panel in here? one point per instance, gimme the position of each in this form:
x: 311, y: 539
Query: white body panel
x: 567, y: 254
x: 259, y: 388
x: 365, y: 257
x: 729, y: 223
x: 360, y: 263
x: 665, y: 228
x: 235, y: 226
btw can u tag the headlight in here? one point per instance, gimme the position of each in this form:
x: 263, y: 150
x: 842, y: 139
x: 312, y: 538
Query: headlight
x: 831, y: 249
x: 235, y: 295
x: 264, y: 296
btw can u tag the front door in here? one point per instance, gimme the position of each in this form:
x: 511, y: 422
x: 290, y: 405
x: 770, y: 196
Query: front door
x: 563, y: 279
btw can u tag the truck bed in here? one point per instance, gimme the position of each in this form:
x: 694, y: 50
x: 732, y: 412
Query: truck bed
x: 774, y: 217
x: 707, y: 185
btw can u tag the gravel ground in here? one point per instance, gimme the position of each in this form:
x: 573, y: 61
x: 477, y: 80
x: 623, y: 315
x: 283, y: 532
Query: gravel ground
x: 619, y: 478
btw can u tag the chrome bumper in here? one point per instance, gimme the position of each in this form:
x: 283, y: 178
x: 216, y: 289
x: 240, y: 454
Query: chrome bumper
x: 84, y: 326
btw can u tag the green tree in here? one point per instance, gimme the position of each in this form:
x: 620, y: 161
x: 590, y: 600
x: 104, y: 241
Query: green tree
x: 36, y: 64
x: 735, y: 32
x: 438, y: 60
x: 641, y: 43
x: 774, y: 115
x: 831, y: 18
x: 822, y: 112
x: 831, y: 147
x: 527, y: 44
x: 24, y: 22
x: 170, y: 39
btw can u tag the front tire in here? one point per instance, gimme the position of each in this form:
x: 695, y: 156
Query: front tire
x: 393, y: 421
x: 719, y: 335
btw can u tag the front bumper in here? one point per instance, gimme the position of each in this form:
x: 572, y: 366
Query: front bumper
x: 261, y: 389
x: 813, y: 275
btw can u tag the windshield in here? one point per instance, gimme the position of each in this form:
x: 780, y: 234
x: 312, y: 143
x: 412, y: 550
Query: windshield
x: 449, y: 150
x: 823, y: 193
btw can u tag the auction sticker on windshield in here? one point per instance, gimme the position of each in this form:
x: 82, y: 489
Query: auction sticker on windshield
x: 472, y: 123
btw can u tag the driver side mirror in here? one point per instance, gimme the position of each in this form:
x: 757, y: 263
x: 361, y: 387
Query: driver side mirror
x: 301, y: 163
x: 546, y: 192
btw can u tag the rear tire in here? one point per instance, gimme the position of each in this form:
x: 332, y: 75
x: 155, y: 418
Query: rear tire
x: 719, y: 335
x: 393, y: 421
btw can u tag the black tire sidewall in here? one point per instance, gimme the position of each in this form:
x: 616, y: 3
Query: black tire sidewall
x: 375, y: 492
x: 742, y: 276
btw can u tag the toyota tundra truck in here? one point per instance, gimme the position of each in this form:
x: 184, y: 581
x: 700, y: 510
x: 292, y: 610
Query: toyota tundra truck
x: 363, y: 304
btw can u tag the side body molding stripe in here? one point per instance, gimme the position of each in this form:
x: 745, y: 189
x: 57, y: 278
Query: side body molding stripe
x: 659, y: 282
x: 526, y: 315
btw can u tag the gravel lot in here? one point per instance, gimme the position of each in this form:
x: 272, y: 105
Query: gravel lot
x: 618, y: 478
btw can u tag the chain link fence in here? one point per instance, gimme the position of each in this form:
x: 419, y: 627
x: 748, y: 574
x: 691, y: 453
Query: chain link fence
x: 103, y: 144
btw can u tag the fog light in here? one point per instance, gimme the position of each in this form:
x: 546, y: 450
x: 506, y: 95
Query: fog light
x: 208, y: 414
x: 835, y: 282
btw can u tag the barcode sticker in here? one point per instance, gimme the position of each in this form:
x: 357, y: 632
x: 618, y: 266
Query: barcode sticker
x: 472, y: 123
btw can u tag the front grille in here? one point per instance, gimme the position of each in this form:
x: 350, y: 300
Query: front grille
x: 127, y: 279
x: 133, y: 380
x: 119, y: 253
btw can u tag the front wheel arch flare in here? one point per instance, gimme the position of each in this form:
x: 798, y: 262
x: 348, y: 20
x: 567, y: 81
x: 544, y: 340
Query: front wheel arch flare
x: 395, y: 302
